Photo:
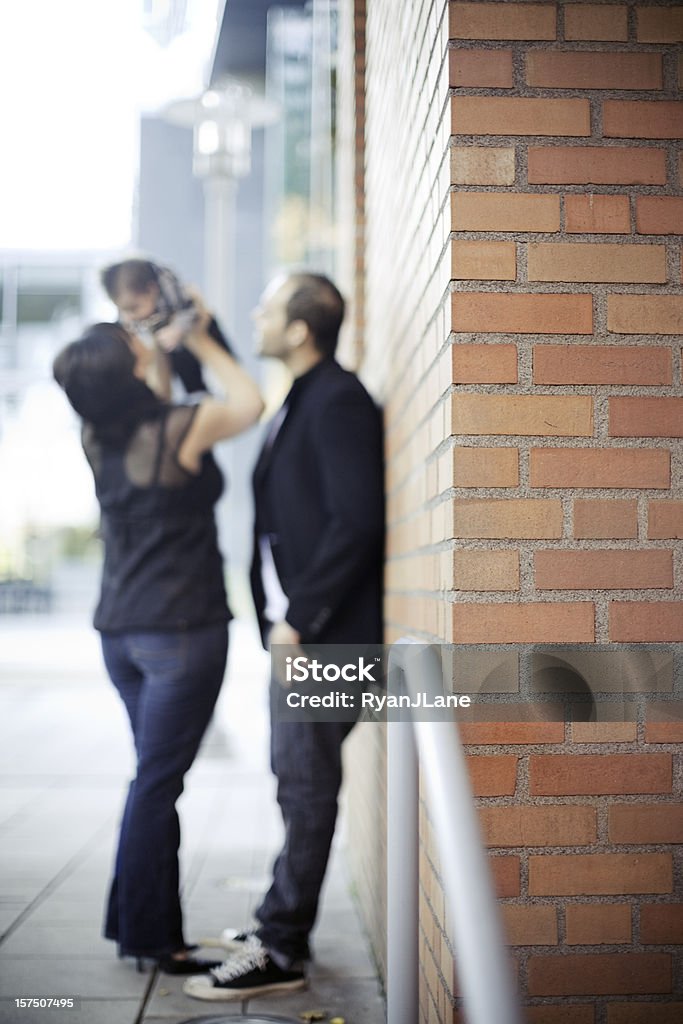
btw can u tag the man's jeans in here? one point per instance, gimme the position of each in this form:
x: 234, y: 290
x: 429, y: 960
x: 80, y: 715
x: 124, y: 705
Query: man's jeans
x: 169, y: 683
x: 306, y: 760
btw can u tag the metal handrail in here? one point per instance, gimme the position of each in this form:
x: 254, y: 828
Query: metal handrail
x: 484, y: 974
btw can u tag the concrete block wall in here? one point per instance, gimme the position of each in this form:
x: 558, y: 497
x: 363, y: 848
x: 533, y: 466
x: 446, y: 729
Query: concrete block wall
x: 523, y: 313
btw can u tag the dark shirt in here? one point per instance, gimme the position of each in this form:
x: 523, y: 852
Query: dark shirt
x: 318, y: 494
x: 162, y: 566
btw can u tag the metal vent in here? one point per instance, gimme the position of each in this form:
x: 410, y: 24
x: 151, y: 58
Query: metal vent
x: 251, y: 1018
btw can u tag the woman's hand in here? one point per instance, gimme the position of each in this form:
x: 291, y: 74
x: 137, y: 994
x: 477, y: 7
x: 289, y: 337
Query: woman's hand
x: 217, y: 418
x: 169, y: 337
x: 177, y: 333
x: 198, y: 333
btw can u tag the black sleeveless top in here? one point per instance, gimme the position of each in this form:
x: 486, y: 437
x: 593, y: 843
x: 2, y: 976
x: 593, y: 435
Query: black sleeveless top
x: 162, y: 566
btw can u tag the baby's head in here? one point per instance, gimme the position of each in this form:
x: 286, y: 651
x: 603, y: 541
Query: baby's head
x: 133, y: 287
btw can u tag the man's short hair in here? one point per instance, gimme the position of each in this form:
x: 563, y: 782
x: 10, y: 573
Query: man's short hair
x: 320, y: 304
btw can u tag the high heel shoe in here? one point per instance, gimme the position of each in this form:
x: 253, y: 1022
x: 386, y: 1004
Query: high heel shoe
x: 189, y: 965
x: 170, y: 964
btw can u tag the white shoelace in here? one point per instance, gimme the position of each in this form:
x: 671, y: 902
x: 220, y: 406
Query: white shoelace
x: 248, y: 959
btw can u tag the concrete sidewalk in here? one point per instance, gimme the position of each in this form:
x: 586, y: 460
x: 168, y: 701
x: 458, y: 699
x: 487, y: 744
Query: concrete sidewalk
x: 65, y: 759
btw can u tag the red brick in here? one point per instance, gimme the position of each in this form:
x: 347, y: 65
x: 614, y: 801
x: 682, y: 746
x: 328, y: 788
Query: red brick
x: 664, y: 732
x: 644, y: 1013
x: 550, y: 1013
x: 646, y: 621
x: 591, y: 924
x: 582, y: 974
x: 645, y: 314
x: 482, y: 165
x: 505, y: 871
x: 594, y: 261
x: 485, y: 570
x: 485, y: 467
x: 483, y: 261
x: 604, y: 519
x: 594, y: 467
x: 661, y: 924
x: 665, y: 520
x: 600, y: 874
x: 664, y: 722
x: 530, y: 925
x: 538, y: 826
x: 617, y: 569
x: 504, y: 211
x: 598, y: 70
x: 527, y: 415
x: 661, y: 24
x: 484, y: 364
x: 493, y: 775
x: 491, y: 69
x: 554, y: 622
x: 502, y: 21
x: 486, y: 313
x: 596, y: 165
x: 659, y: 215
x: 608, y: 23
x: 512, y: 732
x: 646, y: 417
x: 607, y: 215
x: 506, y: 518
x: 602, y: 364
x: 642, y: 119
x: 599, y: 774
x: 646, y: 823
x: 503, y: 115
x: 604, y: 732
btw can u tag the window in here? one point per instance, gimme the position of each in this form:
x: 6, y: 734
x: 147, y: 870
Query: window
x: 47, y: 294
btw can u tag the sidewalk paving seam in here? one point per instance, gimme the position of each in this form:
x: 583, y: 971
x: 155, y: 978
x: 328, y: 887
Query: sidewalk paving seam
x: 71, y: 865
x: 147, y: 995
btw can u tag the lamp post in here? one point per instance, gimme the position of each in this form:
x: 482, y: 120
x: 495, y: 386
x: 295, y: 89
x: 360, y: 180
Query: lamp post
x: 222, y: 155
x: 221, y: 119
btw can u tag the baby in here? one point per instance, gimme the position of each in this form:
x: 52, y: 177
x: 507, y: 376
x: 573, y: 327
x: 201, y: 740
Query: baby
x: 150, y: 297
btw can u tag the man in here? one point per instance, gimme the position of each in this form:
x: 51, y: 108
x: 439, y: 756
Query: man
x: 316, y: 577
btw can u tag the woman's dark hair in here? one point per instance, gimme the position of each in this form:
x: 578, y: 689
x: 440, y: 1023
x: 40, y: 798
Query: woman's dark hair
x: 97, y: 375
x: 319, y: 303
x: 135, y: 275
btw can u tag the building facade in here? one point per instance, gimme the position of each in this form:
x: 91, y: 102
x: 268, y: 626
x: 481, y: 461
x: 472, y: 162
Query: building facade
x: 515, y: 266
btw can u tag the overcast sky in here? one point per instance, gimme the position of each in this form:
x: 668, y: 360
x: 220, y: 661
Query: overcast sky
x: 74, y: 75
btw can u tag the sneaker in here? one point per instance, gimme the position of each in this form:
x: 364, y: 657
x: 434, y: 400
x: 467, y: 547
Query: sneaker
x: 246, y: 974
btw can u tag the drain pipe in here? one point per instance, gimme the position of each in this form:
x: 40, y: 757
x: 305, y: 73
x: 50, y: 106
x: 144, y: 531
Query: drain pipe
x: 484, y: 974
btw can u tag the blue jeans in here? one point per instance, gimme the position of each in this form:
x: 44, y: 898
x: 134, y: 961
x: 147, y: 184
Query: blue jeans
x: 306, y: 759
x: 169, y: 683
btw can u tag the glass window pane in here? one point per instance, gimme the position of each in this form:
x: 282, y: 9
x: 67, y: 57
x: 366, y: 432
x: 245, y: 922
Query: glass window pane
x: 35, y: 307
x: 47, y: 279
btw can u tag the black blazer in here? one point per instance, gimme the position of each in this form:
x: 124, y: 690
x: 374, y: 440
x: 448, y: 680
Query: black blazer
x: 319, y: 495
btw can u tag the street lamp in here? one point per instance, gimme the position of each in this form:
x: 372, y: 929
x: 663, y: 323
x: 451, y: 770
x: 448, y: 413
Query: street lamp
x: 221, y: 119
x: 222, y: 155
x: 222, y: 132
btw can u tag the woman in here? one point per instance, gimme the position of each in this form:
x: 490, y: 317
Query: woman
x: 162, y: 611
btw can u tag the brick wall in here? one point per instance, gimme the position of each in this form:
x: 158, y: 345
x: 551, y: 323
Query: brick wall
x: 523, y: 311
